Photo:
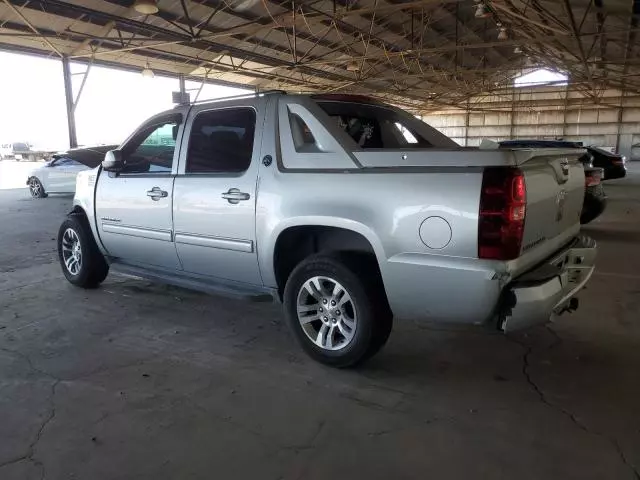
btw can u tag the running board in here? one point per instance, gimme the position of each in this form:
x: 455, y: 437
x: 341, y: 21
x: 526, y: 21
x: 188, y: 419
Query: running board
x: 205, y: 285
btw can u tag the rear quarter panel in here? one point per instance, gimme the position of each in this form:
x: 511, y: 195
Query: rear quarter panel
x: 388, y: 210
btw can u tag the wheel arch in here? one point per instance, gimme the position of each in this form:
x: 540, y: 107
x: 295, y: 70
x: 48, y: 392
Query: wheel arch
x: 82, y: 210
x: 297, y: 240
x: 78, y: 210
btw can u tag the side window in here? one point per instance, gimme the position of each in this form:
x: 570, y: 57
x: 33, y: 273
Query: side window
x: 65, y: 161
x: 303, y: 139
x: 221, y: 141
x: 406, y: 133
x: 152, y: 149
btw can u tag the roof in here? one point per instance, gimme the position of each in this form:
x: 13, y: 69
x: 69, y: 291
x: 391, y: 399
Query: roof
x: 417, y: 54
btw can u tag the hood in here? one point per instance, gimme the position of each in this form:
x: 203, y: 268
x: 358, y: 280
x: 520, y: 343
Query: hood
x: 89, y: 156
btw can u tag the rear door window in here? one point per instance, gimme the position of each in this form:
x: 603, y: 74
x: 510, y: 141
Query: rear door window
x: 374, y: 126
x: 378, y: 126
x: 221, y: 141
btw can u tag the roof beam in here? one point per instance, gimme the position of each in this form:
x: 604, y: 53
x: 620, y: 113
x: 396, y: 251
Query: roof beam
x: 576, y: 35
x: 30, y: 25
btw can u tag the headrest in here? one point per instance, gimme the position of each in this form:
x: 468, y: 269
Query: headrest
x: 223, y: 138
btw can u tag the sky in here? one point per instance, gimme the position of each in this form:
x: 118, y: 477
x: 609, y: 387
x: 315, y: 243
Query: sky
x: 540, y: 77
x: 112, y: 105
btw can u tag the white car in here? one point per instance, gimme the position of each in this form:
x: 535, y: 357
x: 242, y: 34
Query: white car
x: 59, y: 174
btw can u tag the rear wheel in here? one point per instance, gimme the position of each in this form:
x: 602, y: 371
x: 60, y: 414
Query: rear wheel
x: 36, y: 188
x: 337, y: 309
x: 82, y: 262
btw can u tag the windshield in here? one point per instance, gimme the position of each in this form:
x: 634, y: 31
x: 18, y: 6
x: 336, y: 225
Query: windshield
x: 377, y: 126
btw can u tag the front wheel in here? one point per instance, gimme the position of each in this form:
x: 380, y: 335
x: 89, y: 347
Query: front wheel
x: 82, y: 262
x: 36, y: 188
x: 337, y: 309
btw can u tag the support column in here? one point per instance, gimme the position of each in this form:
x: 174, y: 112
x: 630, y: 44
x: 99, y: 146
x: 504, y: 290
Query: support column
x: 620, y: 117
x: 68, y: 97
x: 181, y: 97
x: 466, y: 124
x: 183, y: 88
x: 513, y: 113
x: 564, y: 113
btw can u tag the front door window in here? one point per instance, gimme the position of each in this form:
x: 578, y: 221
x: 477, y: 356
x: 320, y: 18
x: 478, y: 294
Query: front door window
x: 152, y: 150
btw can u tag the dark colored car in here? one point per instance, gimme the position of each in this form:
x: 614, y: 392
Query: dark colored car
x: 595, y: 199
x: 612, y: 163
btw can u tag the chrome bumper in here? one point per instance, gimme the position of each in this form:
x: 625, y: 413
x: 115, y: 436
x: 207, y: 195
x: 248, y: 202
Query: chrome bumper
x: 547, y: 291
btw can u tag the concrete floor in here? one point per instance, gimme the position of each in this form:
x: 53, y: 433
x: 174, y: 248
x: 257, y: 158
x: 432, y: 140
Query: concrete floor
x: 142, y: 381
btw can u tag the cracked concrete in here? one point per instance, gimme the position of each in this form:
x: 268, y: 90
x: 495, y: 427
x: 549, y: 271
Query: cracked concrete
x: 529, y: 351
x: 136, y: 380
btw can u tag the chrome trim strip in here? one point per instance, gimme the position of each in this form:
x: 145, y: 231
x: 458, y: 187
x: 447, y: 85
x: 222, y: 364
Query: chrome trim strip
x: 153, y: 234
x: 215, y: 242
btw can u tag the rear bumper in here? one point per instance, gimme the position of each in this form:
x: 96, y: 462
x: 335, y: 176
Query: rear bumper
x: 547, y: 291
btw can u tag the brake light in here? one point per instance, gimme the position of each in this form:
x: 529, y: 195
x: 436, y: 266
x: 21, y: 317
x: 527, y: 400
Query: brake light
x: 592, y: 179
x: 503, y: 208
x: 618, y: 161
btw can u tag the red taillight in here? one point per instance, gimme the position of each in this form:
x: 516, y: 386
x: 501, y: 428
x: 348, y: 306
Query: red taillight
x: 592, y: 179
x: 503, y: 207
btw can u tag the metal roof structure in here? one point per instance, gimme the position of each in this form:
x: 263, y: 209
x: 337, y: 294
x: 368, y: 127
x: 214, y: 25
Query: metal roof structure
x: 421, y: 54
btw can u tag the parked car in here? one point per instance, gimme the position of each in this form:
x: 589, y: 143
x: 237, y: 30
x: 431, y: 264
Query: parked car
x: 349, y: 211
x: 595, y: 199
x: 614, y: 165
x: 59, y: 174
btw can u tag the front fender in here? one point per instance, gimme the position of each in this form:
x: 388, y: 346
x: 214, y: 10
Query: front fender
x: 84, y: 199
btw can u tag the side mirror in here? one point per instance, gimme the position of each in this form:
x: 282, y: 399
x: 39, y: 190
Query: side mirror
x: 113, y: 161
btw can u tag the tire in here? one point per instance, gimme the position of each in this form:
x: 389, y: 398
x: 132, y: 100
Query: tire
x: 88, y: 269
x: 587, y: 216
x: 366, y: 309
x: 36, y: 188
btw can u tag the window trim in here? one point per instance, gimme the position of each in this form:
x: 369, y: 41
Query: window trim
x: 333, y: 155
x: 159, y: 120
x: 182, y: 171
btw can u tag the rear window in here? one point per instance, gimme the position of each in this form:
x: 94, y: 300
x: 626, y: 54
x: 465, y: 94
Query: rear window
x: 380, y: 127
x: 603, y: 152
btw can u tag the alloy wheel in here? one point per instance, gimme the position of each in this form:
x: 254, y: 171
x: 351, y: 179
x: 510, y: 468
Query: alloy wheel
x: 71, y: 251
x: 326, y: 313
x: 35, y: 187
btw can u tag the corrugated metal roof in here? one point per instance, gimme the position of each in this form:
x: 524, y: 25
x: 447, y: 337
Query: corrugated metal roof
x: 420, y: 54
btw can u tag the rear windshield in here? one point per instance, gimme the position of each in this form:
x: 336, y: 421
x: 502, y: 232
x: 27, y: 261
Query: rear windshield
x: 377, y: 126
x: 603, y: 152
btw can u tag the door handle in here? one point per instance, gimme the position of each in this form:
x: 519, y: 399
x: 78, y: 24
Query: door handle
x: 235, y: 196
x: 156, y: 193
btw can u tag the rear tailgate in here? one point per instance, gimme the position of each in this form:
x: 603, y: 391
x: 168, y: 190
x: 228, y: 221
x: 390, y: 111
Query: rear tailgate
x: 555, y: 192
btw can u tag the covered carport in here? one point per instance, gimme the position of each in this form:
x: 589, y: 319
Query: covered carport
x: 425, y: 55
x: 138, y: 380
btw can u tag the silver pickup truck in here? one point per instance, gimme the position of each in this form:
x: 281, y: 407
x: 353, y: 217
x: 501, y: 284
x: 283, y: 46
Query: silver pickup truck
x: 348, y: 211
